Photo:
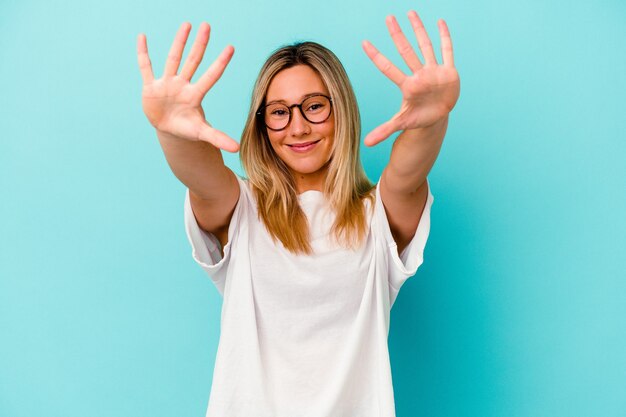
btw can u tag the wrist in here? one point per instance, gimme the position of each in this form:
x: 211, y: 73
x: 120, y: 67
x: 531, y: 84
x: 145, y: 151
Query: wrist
x: 436, y: 125
x: 434, y: 130
x: 166, y: 136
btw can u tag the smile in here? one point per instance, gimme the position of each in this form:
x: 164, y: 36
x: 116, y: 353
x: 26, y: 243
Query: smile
x: 303, y: 147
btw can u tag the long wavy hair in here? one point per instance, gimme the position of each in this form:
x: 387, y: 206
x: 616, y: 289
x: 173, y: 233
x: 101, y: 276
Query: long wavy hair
x: 272, y: 183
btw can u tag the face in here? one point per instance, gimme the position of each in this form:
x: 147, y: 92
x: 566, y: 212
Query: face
x: 306, y: 148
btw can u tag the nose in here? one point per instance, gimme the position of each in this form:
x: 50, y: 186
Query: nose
x: 299, y: 125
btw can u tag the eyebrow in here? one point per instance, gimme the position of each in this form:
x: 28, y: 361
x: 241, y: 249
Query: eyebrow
x: 304, y: 97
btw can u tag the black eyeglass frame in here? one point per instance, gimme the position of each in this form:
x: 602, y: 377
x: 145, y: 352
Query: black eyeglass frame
x: 261, y: 116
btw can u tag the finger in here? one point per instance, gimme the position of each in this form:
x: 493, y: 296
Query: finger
x: 383, y: 64
x: 446, y: 44
x: 197, y: 52
x: 217, y: 138
x: 402, y: 44
x: 176, y: 51
x: 145, y: 67
x: 215, y: 71
x: 381, y: 133
x: 422, y: 39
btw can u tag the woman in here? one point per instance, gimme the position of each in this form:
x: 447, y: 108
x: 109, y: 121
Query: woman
x: 307, y: 254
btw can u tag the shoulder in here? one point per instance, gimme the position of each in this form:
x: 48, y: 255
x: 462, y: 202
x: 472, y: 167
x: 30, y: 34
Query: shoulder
x: 244, y: 186
x: 369, y: 201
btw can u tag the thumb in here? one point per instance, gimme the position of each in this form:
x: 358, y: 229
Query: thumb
x: 381, y: 133
x: 217, y: 138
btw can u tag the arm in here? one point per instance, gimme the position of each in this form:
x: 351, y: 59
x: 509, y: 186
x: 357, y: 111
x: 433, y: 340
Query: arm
x: 192, y: 147
x: 213, y: 187
x: 403, y: 183
x: 428, y: 96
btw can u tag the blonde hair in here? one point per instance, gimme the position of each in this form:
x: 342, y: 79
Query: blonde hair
x: 346, y: 184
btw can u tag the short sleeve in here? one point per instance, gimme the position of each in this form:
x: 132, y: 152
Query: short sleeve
x: 206, y: 248
x: 403, y: 266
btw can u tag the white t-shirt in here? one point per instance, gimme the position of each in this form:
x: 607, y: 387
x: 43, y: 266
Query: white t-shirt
x: 304, y: 336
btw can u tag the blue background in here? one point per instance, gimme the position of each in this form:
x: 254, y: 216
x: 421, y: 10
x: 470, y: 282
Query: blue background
x: 519, y: 307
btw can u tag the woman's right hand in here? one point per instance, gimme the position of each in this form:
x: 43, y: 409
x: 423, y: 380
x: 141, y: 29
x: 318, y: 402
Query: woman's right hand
x: 172, y: 103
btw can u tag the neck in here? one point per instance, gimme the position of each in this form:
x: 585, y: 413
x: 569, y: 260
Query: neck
x: 308, y: 182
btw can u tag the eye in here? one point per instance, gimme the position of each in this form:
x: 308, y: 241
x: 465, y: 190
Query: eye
x: 277, y: 112
x: 314, y: 107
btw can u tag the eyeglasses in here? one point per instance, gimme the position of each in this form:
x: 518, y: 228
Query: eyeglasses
x: 315, y: 109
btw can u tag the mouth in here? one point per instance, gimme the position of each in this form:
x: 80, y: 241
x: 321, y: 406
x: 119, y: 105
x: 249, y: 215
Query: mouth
x: 303, y: 147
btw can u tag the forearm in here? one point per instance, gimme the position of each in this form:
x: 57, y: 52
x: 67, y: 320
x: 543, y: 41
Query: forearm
x: 413, y: 155
x: 199, y: 165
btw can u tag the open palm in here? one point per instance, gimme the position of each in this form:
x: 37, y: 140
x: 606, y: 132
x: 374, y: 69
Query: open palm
x: 172, y: 103
x: 430, y: 92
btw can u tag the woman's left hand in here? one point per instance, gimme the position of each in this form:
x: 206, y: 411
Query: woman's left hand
x: 430, y: 92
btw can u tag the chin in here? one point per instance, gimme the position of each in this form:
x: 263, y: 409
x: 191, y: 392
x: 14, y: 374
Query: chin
x: 305, y: 170
x: 308, y: 168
